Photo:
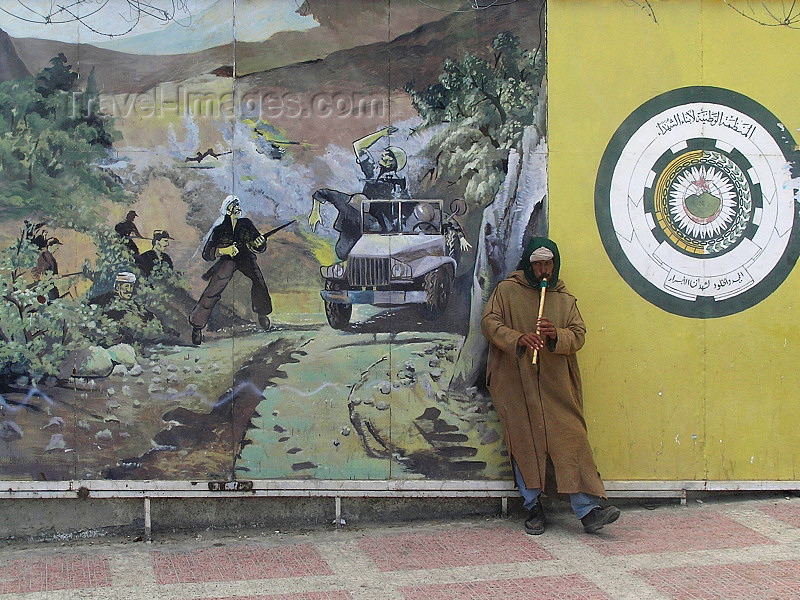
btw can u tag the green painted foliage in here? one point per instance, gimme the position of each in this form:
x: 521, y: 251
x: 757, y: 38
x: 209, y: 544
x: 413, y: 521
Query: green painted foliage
x: 36, y: 334
x: 53, y: 146
x: 484, y: 106
x: 151, y: 314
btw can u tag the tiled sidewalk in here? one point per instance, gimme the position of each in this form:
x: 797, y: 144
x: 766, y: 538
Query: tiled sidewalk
x: 746, y: 549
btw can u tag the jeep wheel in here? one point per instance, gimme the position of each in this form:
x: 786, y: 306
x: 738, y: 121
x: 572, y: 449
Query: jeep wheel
x: 438, y: 284
x: 338, y: 314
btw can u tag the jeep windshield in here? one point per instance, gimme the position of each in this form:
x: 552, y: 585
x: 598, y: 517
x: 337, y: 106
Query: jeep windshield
x: 401, y: 216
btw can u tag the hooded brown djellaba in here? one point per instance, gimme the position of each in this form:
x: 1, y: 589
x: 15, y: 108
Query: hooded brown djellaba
x: 540, y: 405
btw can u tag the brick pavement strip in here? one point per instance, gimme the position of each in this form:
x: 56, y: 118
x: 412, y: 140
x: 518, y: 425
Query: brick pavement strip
x: 729, y: 550
x: 574, y: 587
x: 772, y: 581
x: 686, y: 532
x: 238, y: 563
x: 460, y: 548
x: 43, y: 574
x: 335, y: 595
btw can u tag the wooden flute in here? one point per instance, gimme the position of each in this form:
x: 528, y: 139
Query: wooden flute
x: 543, y: 289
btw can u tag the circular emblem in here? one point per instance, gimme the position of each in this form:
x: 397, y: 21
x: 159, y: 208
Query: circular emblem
x: 694, y: 202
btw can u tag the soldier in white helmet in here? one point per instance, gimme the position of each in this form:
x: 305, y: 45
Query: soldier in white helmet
x: 386, y: 183
x: 382, y: 182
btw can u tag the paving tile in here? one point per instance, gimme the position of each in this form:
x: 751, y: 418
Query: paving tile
x: 645, y: 533
x: 788, y: 513
x: 52, y: 573
x: 332, y: 595
x: 569, y: 587
x: 771, y: 581
x: 238, y: 564
x: 444, y: 549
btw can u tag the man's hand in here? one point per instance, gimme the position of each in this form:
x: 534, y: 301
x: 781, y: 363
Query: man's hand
x: 537, y: 341
x: 231, y: 251
x: 465, y: 245
x: 314, y: 217
x: 547, y: 329
x: 531, y: 340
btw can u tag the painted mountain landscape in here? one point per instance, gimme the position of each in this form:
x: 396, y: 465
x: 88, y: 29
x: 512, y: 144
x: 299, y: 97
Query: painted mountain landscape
x: 253, y: 240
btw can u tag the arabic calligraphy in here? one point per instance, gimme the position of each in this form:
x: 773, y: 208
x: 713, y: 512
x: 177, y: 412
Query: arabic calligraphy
x: 711, y: 117
x: 709, y: 286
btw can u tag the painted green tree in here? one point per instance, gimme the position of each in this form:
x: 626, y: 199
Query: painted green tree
x: 37, y: 331
x: 482, y: 107
x: 54, y: 146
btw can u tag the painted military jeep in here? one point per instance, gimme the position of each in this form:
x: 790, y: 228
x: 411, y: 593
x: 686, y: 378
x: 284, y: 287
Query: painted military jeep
x: 406, y: 255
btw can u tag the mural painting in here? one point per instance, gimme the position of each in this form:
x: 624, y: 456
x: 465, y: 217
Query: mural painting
x: 267, y: 258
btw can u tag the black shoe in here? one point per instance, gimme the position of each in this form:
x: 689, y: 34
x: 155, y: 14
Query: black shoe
x: 599, y: 518
x: 197, y: 335
x: 534, y: 524
x: 264, y: 322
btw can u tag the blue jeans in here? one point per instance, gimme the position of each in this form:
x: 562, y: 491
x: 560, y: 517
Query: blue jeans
x: 582, y: 503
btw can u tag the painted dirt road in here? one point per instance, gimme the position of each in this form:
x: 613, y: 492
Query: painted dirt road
x: 392, y: 419
x: 302, y: 399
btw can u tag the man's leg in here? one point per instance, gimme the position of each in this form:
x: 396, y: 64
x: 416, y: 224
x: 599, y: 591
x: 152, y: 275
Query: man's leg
x: 529, y: 496
x: 211, y: 295
x: 587, y: 508
x: 260, y: 299
x: 582, y: 504
x: 535, y: 521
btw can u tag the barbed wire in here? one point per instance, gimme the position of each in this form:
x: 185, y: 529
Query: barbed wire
x: 758, y: 12
x: 644, y: 5
x: 72, y: 11
x: 789, y: 19
x: 474, y: 5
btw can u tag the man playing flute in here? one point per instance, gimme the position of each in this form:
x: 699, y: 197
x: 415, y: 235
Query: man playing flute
x: 541, y: 405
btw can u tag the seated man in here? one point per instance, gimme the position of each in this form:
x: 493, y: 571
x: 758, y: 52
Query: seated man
x: 424, y: 218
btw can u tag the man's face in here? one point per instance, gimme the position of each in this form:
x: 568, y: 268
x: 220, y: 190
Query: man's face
x: 161, y: 244
x: 388, y: 161
x: 543, y: 269
x: 125, y: 290
x: 234, y: 210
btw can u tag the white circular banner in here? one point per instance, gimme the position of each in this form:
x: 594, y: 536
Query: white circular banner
x: 694, y: 202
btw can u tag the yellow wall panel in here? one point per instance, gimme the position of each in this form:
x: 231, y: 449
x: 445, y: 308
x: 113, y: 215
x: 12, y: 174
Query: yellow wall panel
x: 669, y: 396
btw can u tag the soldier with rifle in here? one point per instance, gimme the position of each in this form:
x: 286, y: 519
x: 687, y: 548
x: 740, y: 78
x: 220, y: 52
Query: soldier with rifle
x: 233, y: 242
x: 128, y: 230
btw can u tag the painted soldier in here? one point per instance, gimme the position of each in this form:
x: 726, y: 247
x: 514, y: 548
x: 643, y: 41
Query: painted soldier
x: 46, y: 263
x: 232, y: 242
x: 127, y: 229
x: 382, y: 179
x: 147, y: 261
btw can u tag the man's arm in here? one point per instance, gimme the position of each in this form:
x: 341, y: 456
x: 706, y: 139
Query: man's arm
x: 219, y: 244
x: 255, y: 241
x: 368, y: 140
x: 570, y: 339
x: 493, y: 324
